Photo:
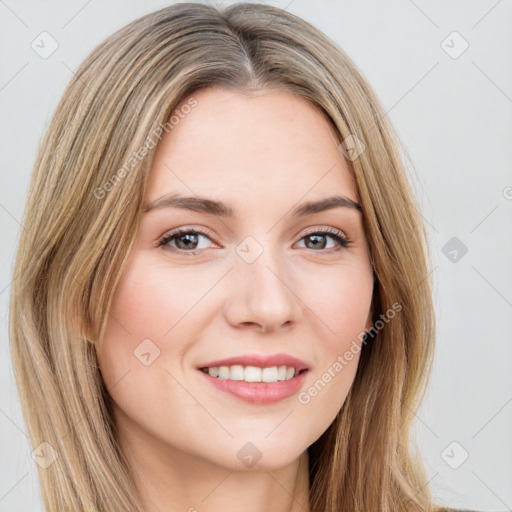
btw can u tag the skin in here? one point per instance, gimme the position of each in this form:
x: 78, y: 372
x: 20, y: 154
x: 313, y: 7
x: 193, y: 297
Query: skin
x: 263, y: 153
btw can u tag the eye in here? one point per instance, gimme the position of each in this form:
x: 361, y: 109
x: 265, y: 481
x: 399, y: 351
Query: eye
x: 185, y: 239
x: 188, y: 240
x: 316, y: 239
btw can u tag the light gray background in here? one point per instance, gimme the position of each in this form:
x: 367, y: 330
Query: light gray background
x: 454, y: 117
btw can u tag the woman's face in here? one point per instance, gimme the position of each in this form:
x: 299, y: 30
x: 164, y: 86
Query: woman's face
x: 265, y: 281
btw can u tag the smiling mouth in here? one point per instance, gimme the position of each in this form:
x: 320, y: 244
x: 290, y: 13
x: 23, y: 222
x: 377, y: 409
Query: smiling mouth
x: 253, y: 373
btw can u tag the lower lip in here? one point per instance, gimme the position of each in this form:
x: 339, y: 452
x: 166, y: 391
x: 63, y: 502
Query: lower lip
x: 258, y: 392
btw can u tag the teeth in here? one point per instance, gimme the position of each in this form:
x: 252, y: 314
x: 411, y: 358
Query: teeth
x: 269, y: 374
x: 236, y: 373
x: 253, y: 373
x: 223, y: 372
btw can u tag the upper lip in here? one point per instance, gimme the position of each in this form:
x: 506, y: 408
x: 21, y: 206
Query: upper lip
x: 258, y: 360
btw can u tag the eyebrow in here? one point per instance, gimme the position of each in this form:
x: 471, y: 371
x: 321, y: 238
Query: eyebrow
x: 220, y: 209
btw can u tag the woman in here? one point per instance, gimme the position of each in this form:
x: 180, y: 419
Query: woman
x: 221, y: 295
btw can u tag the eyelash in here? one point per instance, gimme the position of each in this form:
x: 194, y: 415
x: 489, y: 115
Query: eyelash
x: 342, y: 240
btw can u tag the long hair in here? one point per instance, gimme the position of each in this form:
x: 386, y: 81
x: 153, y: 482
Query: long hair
x: 80, y: 222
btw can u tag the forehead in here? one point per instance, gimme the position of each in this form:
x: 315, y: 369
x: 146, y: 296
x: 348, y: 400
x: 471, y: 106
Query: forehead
x: 267, y: 146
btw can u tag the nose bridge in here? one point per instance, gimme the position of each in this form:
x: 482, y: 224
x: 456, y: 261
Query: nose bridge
x: 262, y: 285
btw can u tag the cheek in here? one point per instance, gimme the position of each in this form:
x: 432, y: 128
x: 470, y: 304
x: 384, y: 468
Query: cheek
x: 142, y: 312
x: 340, y: 298
x: 151, y: 301
x: 341, y: 301
x: 144, y: 343
x: 155, y: 317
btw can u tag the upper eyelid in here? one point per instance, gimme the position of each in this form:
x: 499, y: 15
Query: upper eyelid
x: 325, y: 229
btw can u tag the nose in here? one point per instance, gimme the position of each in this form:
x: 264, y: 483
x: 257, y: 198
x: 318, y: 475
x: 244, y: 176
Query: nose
x: 262, y: 294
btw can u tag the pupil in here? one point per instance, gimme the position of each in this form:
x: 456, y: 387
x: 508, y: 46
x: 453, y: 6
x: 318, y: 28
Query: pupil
x: 316, y: 237
x: 188, y: 245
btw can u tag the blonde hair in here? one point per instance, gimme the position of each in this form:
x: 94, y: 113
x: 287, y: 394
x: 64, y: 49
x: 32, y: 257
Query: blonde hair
x: 81, y: 220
